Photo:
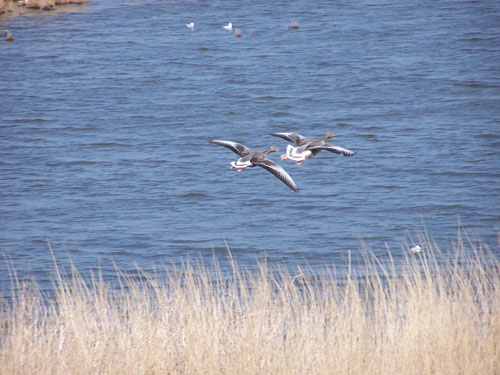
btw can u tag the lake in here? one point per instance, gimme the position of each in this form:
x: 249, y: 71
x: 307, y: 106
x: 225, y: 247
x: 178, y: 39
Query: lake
x: 106, y: 109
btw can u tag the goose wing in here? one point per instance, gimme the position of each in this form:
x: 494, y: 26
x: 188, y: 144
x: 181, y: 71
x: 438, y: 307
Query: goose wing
x: 237, y: 148
x: 279, y: 172
x: 291, y: 137
x: 337, y: 150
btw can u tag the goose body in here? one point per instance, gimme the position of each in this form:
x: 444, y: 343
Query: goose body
x: 308, y: 148
x: 296, y: 154
x: 251, y: 158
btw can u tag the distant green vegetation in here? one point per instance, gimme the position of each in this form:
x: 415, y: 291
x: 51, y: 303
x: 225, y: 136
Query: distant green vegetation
x: 432, y: 318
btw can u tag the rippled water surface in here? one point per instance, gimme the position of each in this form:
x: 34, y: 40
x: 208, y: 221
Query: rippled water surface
x: 106, y: 110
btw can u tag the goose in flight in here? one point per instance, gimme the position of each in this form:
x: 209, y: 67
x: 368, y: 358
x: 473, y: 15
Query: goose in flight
x: 251, y: 158
x: 308, y: 147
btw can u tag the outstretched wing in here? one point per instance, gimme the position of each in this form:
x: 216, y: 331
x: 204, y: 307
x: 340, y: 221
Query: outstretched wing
x: 279, y: 172
x: 291, y: 137
x: 237, y: 148
x: 337, y: 150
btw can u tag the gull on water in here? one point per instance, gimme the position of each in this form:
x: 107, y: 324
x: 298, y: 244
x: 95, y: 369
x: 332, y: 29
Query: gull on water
x: 229, y: 26
x: 293, y: 25
x: 8, y: 36
x: 190, y: 25
x: 416, y: 249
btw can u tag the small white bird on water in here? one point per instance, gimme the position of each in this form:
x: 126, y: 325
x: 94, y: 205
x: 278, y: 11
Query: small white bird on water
x: 229, y: 26
x: 8, y: 36
x: 190, y: 25
x: 416, y: 249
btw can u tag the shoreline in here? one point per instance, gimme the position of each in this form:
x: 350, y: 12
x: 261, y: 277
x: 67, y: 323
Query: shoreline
x: 15, y: 8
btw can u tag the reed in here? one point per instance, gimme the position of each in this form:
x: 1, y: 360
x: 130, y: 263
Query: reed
x: 417, y: 316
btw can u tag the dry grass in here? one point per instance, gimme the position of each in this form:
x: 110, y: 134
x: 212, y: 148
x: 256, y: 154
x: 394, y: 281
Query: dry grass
x: 431, y: 319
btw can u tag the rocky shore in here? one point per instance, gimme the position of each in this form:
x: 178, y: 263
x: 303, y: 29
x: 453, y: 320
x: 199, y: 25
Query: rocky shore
x: 15, y: 7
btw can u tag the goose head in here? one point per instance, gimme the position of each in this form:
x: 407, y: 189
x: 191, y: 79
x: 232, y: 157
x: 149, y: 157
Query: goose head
x: 271, y: 149
x: 328, y: 136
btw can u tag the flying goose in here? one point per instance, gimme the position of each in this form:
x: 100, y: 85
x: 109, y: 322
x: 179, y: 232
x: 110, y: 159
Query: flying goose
x: 251, y: 158
x: 308, y: 148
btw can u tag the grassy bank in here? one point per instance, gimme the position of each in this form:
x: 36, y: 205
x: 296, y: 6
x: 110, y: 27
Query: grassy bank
x: 431, y: 319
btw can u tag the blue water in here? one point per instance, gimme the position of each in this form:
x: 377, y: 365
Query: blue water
x: 104, y: 131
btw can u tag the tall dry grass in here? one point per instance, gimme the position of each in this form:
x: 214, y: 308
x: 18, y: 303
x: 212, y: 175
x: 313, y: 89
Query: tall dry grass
x: 433, y: 318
